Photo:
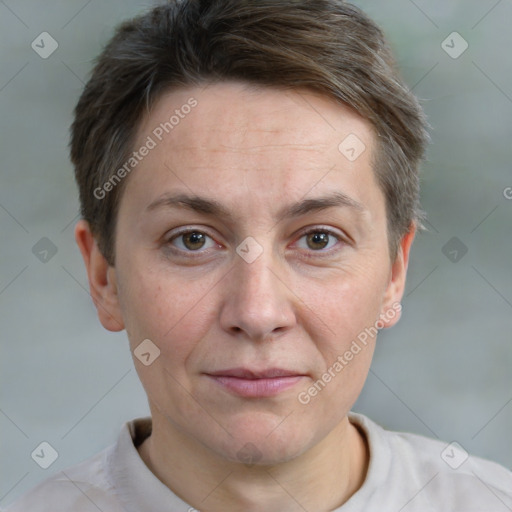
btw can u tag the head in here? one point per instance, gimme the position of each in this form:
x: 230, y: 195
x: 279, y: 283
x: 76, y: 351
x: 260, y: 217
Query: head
x: 279, y: 137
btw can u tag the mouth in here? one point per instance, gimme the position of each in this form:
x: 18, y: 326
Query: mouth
x: 256, y: 383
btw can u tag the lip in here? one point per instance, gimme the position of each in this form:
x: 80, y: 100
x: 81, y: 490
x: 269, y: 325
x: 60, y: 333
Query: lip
x: 256, y: 383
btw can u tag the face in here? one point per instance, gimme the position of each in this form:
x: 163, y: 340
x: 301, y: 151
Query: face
x: 251, y: 249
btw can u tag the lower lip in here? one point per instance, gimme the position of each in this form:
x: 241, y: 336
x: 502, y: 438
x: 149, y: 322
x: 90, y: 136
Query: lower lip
x: 256, y: 388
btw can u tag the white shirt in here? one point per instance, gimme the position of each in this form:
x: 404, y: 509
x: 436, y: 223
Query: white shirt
x: 407, y: 473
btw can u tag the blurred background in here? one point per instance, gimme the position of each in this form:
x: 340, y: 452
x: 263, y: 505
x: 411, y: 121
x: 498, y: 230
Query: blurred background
x: 445, y: 371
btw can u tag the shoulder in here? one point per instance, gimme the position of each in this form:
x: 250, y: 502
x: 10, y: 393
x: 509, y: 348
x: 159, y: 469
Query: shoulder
x: 439, y: 475
x: 460, y: 478
x: 81, y: 488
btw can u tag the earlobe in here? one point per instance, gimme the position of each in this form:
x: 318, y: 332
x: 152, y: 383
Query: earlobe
x: 391, y: 307
x: 102, y: 279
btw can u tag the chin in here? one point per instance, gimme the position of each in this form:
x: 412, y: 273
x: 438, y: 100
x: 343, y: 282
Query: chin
x: 256, y: 454
x: 263, y: 443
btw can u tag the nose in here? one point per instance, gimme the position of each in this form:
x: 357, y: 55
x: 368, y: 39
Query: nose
x: 258, y: 301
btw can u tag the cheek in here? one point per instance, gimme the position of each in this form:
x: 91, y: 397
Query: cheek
x: 346, y: 311
x: 345, y: 305
x: 165, y: 307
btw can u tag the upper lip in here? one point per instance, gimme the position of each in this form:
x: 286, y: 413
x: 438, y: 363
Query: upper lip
x: 245, y: 373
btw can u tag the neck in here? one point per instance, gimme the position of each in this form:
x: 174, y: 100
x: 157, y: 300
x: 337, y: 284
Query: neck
x: 321, y: 479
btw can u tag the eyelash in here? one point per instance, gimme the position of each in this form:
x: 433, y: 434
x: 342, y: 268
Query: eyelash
x: 200, y: 253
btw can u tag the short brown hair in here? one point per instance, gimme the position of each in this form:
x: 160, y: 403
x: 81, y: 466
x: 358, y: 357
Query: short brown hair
x: 328, y: 46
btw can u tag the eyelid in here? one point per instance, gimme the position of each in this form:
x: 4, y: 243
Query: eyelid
x: 341, y: 237
x: 323, y: 229
x: 168, y: 238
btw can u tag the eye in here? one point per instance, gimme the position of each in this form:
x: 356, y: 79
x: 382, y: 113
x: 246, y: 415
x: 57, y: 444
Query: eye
x: 320, y: 239
x: 191, y: 240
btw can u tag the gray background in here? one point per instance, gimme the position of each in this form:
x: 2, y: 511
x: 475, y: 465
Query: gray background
x: 444, y: 371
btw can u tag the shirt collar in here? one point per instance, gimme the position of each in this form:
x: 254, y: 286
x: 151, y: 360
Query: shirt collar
x: 139, y: 489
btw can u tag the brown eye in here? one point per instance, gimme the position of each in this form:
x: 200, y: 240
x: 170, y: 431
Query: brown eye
x: 320, y: 240
x: 317, y: 240
x: 193, y: 240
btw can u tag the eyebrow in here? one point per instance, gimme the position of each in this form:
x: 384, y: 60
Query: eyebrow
x: 214, y: 208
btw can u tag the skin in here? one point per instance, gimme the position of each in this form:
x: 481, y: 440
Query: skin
x: 255, y: 151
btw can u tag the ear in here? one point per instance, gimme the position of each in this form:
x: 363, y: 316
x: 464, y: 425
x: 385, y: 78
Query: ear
x: 391, y: 308
x: 102, y: 279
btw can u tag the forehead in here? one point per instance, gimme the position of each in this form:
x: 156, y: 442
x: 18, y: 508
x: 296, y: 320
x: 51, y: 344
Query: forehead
x: 239, y: 110
x: 238, y: 139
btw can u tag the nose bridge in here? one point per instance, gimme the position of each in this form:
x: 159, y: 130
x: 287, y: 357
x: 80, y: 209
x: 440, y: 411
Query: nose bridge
x: 258, y: 302
x: 255, y: 268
